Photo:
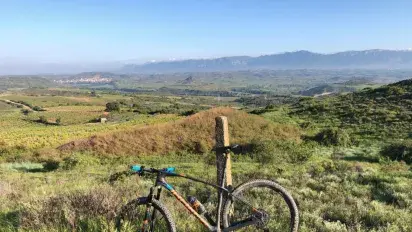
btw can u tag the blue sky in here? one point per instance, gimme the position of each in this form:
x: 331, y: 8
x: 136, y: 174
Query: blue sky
x: 102, y: 30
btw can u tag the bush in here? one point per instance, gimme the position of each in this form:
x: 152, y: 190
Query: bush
x: 79, y: 161
x: 58, y: 121
x: 70, y: 211
x: 188, y: 113
x: 265, y: 151
x: 300, y: 153
x: 201, y: 147
x: 25, y: 111
x: 401, y: 151
x: 112, y: 106
x: 38, y: 108
x: 270, y: 107
x: 282, y: 151
x: 43, y: 119
x: 333, y: 137
x: 51, y: 165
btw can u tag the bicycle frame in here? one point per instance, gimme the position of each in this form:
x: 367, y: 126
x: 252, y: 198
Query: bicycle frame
x: 211, y: 226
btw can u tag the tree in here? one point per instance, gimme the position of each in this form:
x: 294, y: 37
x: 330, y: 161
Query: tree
x: 112, y: 106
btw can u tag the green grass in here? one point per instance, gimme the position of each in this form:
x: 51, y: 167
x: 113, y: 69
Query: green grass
x: 335, y: 192
x: 337, y: 188
x: 5, y: 106
x: 25, y: 166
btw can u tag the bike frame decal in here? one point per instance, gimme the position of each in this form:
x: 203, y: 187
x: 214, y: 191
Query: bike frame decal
x: 168, y: 187
x: 161, y: 181
x: 191, y: 210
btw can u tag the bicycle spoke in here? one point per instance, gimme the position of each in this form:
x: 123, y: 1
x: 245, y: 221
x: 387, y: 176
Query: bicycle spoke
x: 134, y: 216
x: 262, y: 200
x: 154, y: 223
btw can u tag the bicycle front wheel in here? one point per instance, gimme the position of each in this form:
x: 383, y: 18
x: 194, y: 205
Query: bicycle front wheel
x: 266, y: 203
x: 132, y: 217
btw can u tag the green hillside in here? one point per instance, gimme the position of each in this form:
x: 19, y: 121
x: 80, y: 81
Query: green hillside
x: 326, y: 90
x: 386, y: 110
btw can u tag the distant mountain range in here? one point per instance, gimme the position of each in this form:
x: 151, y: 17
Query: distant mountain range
x: 368, y: 59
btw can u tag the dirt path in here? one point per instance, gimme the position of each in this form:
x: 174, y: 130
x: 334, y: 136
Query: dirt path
x: 16, y: 104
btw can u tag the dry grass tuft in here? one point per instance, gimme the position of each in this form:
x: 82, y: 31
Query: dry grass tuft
x: 71, y: 210
x: 194, y: 133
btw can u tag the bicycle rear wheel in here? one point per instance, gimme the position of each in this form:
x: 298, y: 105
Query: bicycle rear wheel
x: 271, y: 200
x: 131, y: 217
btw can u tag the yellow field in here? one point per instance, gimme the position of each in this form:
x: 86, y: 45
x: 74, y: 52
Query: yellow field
x: 54, y: 101
x: 20, y: 130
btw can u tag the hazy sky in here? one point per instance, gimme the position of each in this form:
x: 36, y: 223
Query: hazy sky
x: 102, y: 30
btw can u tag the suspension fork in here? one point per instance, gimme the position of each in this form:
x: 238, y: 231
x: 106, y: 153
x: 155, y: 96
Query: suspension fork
x: 147, y: 212
x: 157, y: 197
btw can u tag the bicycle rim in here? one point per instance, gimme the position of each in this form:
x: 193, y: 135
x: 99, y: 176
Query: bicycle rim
x: 267, y: 197
x: 132, y: 215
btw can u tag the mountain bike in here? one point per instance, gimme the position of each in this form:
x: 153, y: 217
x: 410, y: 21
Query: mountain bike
x: 256, y: 205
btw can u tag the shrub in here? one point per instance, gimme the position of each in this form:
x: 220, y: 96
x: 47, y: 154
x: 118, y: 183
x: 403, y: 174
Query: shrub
x: 58, y: 121
x: 300, y: 153
x: 112, y: 106
x: 324, y: 167
x: 283, y: 151
x: 69, y: 211
x: 188, y: 113
x: 264, y: 151
x: 201, y: 147
x: 333, y: 137
x: 51, y: 165
x: 38, y: 108
x: 42, y: 119
x: 79, y: 161
x: 401, y: 151
x: 270, y: 107
x: 44, y: 154
x: 25, y: 111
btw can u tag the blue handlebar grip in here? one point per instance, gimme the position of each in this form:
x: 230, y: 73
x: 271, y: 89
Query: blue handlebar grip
x: 170, y: 170
x: 136, y: 168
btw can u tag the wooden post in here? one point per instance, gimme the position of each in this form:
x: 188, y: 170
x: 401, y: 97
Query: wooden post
x: 228, y: 171
x: 222, y: 140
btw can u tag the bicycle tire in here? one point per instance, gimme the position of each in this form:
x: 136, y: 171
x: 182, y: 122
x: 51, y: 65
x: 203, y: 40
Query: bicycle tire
x: 130, y: 208
x: 261, y: 183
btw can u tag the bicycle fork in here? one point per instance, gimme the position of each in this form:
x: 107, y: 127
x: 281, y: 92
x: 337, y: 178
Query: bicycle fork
x: 146, y: 227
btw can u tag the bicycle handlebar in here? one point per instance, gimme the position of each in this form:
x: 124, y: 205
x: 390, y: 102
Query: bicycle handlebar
x: 141, y: 169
